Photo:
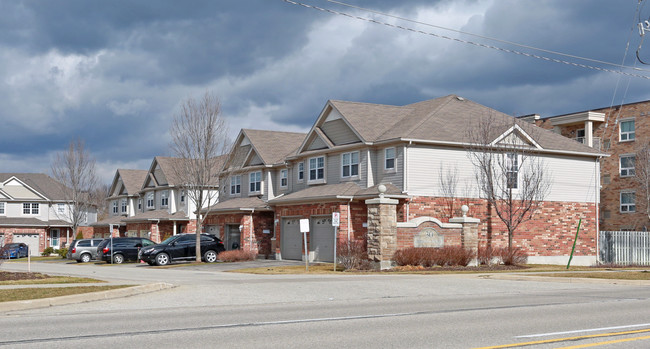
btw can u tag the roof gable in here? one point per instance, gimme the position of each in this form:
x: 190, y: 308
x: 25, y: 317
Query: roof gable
x: 18, y: 189
x: 516, y: 137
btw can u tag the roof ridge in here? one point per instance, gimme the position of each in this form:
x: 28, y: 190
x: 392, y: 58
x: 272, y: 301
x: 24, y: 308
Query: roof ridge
x: 446, y: 100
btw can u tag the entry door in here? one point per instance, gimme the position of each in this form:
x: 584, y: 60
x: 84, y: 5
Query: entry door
x: 322, y: 239
x: 54, y: 238
x: 291, y: 246
x: 233, y: 237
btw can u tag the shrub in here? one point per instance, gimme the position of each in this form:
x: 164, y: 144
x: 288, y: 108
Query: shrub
x: 237, y: 256
x: 458, y: 255
x: 430, y: 256
x: 47, y: 251
x: 352, y: 255
x: 63, y: 252
x: 80, y: 235
x: 485, y: 255
x: 515, y: 257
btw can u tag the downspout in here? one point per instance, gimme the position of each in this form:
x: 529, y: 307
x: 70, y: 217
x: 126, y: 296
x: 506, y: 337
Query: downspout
x: 349, y: 219
x: 597, y: 197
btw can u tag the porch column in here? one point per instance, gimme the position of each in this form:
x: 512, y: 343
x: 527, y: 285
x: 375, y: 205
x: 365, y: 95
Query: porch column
x: 589, y: 133
x: 382, y: 229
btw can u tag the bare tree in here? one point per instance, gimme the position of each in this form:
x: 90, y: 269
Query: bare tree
x: 199, y: 135
x: 510, y: 174
x: 76, y: 173
x: 641, y: 165
x: 448, y: 181
x: 99, y: 199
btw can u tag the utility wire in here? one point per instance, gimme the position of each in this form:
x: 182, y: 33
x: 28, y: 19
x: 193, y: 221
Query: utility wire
x: 485, y: 37
x: 555, y: 60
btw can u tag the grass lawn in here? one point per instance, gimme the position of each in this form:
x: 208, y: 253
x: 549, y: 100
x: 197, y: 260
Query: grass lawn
x: 614, y: 275
x: 47, y: 292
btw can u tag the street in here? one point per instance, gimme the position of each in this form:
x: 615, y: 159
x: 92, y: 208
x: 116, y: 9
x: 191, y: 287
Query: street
x: 213, y: 308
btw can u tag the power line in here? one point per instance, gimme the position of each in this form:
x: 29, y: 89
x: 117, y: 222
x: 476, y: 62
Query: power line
x: 549, y: 59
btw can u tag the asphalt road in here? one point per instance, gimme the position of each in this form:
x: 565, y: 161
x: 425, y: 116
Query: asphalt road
x: 214, y: 309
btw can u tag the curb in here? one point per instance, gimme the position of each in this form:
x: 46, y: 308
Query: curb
x: 567, y: 280
x: 83, y: 298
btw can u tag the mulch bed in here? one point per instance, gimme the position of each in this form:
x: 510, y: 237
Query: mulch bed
x: 15, y: 276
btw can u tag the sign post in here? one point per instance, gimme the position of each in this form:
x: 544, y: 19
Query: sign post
x: 110, y: 229
x: 304, y: 229
x: 336, y: 220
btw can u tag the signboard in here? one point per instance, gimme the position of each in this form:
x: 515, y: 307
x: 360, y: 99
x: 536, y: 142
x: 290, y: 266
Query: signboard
x: 304, y: 225
x: 336, y: 219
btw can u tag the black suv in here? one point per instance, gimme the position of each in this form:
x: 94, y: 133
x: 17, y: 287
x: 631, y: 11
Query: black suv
x: 124, y: 249
x: 182, y: 247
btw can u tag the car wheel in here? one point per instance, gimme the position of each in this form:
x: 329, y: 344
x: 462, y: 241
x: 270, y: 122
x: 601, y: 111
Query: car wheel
x: 162, y: 258
x: 210, y: 256
x: 118, y: 259
x: 85, y: 258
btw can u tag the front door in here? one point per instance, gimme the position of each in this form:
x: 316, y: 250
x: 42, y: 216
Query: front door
x: 233, y: 237
x: 54, y: 238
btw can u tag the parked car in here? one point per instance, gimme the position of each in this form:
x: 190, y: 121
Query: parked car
x: 83, y: 250
x: 14, y: 250
x: 124, y: 249
x: 182, y: 247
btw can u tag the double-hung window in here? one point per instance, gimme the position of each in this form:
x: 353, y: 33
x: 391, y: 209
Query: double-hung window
x: 235, y: 185
x: 389, y: 159
x: 627, y: 165
x: 2, y: 208
x: 182, y: 196
x: 30, y: 208
x: 512, y: 171
x: 627, y: 131
x: 317, y: 169
x: 284, y: 180
x: 139, y: 204
x: 301, y: 171
x: 350, y: 164
x: 123, y: 205
x: 255, y: 181
x: 60, y: 208
x: 115, y: 207
x: 164, y: 198
x: 628, y: 201
x: 150, y: 200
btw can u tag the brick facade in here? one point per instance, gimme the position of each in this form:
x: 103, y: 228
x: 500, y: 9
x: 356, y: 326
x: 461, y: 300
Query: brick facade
x: 252, y: 235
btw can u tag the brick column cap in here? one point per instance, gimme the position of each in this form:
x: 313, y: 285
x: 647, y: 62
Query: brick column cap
x: 382, y: 201
x: 464, y: 220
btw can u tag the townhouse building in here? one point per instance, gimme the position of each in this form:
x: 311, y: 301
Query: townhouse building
x: 620, y: 131
x: 359, y: 159
x: 35, y: 211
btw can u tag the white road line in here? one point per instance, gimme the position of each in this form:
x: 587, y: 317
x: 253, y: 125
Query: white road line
x: 581, y: 331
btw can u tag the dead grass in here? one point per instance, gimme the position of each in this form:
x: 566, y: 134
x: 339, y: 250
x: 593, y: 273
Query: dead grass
x: 48, y: 292
x: 610, y: 275
x: 321, y: 268
x: 52, y: 280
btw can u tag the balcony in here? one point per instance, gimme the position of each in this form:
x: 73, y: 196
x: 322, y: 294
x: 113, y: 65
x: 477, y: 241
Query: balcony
x: 596, y: 142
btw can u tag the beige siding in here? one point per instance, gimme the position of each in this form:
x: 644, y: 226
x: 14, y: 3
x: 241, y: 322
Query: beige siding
x: 20, y: 192
x: 239, y: 156
x: 339, y: 132
x: 317, y: 143
x: 395, y: 177
x: 160, y: 176
x: 255, y: 160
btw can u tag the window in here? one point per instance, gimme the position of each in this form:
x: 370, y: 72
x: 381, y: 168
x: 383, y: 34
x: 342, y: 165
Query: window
x: 301, y: 171
x: 627, y: 130
x: 283, y: 178
x: 255, y: 180
x: 2, y: 208
x: 150, y: 202
x: 389, y: 159
x: 627, y: 165
x: 580, y: 135
x: 350, y: 164
x: 60, y: 208
x: 628, y: 202
x: 164, y: 198
x: 115, y: 207
x: 235, y: 185
x: 139, y: 204
x: 182, y: 196
x: 30, y: 208
x: 317, y: 168
x: 512, y: 171
x: 123, y: 205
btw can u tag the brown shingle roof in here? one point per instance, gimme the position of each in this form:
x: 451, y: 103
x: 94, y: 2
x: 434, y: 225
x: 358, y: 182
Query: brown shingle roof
x: 238, y: 204
x: 31, y: 222
x: 40, y: 182
x: 132, y: 179
x: 335, y: 192
x: 156, y: 214
x: 274, y: 146
x: 167, y: 165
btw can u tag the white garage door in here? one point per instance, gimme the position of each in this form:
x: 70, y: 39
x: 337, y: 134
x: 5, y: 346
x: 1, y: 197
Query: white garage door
x: 322, y: 239
x: 30, y: 240
x: 291, y: 237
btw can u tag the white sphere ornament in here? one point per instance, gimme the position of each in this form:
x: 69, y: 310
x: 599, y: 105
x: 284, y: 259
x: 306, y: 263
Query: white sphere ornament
x: 381, y: 188
x: 465, y: 209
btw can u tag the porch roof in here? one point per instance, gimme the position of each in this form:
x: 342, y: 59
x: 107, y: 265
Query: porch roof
x: 239, y: 204
x: 335, y: 192
x: 114, y: 220
x: 157, y: 215
x: 32, y: 222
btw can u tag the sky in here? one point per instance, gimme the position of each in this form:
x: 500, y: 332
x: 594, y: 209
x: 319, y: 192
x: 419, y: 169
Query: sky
x: 113, y: 73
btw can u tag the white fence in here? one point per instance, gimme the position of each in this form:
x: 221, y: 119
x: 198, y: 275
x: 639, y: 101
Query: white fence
x: 624, y: 247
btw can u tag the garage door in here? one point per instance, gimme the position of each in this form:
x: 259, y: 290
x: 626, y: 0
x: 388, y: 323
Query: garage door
x: 30, y: 240
x: 322, y: 239
x: 291, y: 237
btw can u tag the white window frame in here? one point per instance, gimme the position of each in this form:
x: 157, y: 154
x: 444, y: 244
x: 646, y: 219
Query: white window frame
x: 350, y: 165
x: 627, y: 207
x: 140, y: 204
x: 301, y: 172
x: 627, y: 136
x: 316, y: 169
x: 30, y: 208
x: 183, y: 196
x: 2, y: 209
x: 584, y: 135
x: 60, y: 208
x: 255, y: 182
x: 512, y: 168
x: 626, y: 171
x: 394, y: 158
x: 115, y: 207
x: 235, y: 185
x: 151, y: 200
x: 284, y: 178
x: 164, y: 198
x: 123, y: 206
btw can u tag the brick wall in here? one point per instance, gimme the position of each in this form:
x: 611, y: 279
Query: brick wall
x: 9, y: 233
x: 253, y: 226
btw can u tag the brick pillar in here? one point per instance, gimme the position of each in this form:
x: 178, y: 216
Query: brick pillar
x: 382, y: 229
x: 469, y: 233
x: 249, y: 240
